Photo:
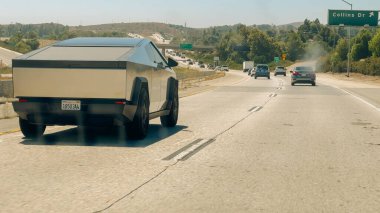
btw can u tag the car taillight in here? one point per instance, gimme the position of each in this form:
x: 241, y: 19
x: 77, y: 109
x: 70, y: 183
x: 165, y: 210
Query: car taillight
x: 296, y: 73
x: 22, y: 100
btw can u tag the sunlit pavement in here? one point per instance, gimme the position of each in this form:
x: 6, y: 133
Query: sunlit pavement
x: 256, y: 145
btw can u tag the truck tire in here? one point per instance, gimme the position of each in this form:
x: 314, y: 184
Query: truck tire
x: 31, y: 130
x: 138, y: 128
x: 171, y: 119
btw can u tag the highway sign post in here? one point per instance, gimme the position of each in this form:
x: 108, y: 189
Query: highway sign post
x: 359, y: 18
x: 216, y: 61
x: 186, y: 46
x: 353, y: 18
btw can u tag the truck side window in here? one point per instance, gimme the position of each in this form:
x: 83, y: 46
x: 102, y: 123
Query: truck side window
x: 158, y: 56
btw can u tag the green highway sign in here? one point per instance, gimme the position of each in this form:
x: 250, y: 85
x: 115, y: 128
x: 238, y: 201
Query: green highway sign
x: 186, y: 46
x: 276, y: 59
x: 353, y: 17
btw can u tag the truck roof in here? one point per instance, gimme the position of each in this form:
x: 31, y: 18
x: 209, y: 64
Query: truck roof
x: 94, y: 49
x: 99, y: 42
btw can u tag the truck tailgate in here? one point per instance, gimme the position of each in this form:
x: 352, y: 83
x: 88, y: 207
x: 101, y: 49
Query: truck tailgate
x: 69, y: 83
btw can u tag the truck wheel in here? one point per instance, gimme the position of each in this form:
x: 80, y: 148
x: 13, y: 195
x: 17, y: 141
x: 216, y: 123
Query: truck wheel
x: 138, y: 128
x: 171, y: 119
x: 31, y: 130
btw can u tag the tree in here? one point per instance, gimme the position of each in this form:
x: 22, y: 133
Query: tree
x: 342, y: 49
x: 374, y: 45
x: 22, y: 47
x: 360, y: 49
x: 33, y: 43
x: 294, y: 47
x: 261, y: 45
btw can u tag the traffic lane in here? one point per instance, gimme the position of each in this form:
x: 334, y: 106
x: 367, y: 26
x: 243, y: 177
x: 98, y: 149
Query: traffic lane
x: 303, y: 152
x: 214, y: 111
x: 65, y: 173
x: 68, y: 171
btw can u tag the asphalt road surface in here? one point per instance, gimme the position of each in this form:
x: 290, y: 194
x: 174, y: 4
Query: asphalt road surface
x: 253, y: 146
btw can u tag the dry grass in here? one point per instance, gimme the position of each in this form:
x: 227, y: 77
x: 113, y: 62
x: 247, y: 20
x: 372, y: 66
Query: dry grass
x: 355, y: 77
x: 5, y: 70
x: 184, y: 73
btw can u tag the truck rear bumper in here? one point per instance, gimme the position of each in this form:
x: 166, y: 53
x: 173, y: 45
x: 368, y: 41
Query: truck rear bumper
x: 92, y: 113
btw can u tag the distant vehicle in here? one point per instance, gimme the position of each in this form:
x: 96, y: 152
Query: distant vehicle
x: 191, y: 63
x: 280, y: 71
x: 224, y: 68
x: 218, y: 68
x: 202, y: 66
x: 89, y: 82
x: 262, y: 70
x: 251, y: 71
x: 247, y: 65
x: 210, y: 66
x: 303, y: 75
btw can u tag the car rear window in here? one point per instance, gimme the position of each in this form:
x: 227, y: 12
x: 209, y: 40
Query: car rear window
x: 262, y: 67
x: 304, y: 69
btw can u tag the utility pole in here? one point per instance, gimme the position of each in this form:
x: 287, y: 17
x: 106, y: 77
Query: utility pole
x: 349, y: 45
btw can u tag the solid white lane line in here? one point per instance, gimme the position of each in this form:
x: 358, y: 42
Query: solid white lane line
x: 355, y: 96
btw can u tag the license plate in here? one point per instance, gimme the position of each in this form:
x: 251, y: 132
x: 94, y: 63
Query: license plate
x: 303, y: 75
x: 69, y: 105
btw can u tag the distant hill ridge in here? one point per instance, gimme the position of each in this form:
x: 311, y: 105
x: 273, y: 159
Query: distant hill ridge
x: 143, y: 28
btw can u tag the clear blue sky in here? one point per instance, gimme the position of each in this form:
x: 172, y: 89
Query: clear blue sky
x: 196, y: 13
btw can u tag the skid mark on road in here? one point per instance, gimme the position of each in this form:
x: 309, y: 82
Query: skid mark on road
x: 189, y: 150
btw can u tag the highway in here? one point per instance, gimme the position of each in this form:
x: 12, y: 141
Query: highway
x: 6, y: 56
x: 246, y: 146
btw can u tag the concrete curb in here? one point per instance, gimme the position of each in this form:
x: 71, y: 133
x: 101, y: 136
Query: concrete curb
x: 6, y: 111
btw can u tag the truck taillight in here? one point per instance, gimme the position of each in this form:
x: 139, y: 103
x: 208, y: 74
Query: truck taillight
x: 21, y: 100
x: 120, y: 102
x: 296, y: 73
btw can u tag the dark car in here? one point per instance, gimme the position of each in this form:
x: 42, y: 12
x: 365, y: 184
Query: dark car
x: 280, y: 71
x: 262, y: 70
x: 303, y: 75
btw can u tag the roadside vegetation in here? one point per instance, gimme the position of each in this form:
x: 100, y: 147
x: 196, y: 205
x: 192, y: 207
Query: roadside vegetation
x: 364, y: 54
x: 185, y: 73
x: 308, y: 40
x: 5, y: 70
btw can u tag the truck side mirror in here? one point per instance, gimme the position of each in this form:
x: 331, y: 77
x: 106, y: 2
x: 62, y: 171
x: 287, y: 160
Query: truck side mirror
x: 172, y: 62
